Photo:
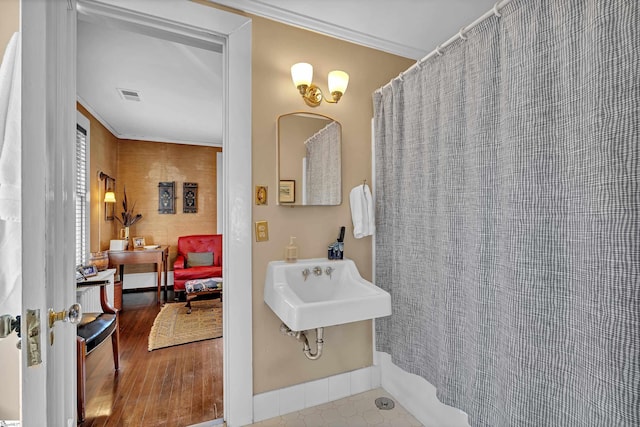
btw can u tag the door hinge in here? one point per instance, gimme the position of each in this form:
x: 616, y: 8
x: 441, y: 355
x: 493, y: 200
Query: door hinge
x: 8, y: 324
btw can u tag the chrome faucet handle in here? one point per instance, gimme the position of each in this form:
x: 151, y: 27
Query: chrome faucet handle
x: 305, y: 273
x: 317, y: 271
x: 328, y: 271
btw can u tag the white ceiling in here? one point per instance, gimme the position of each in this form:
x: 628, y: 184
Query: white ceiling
x: 409, y: 28
x: 180, y: 84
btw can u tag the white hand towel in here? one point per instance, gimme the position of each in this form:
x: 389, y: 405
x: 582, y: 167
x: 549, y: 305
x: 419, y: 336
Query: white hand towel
x: 362, y: 211
x: 10, y: 179
x: 10, y: 136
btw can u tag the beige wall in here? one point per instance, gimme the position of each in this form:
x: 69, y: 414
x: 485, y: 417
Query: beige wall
x: 278, y: 360
x: 9, y: 22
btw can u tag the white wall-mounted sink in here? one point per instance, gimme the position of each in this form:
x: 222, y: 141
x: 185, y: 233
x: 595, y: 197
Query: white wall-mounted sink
x: 323, y: 299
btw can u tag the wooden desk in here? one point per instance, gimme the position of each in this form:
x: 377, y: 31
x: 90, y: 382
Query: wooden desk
x: 159, y: 257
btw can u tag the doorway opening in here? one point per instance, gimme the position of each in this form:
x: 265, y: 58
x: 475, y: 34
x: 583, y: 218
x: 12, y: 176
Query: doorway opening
x: 178, y: 82
x: 198, y: 74
x: 49, y: 63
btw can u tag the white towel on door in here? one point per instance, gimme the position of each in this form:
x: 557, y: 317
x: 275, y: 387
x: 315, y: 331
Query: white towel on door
x: 10, y: 180
x: 362, y: 211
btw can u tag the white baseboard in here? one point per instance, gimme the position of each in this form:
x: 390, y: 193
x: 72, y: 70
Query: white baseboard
x: 145, y: 280
x: 300, y: 396
x: 412, y: 392
x: 418, y: 396
x: 212, y: 423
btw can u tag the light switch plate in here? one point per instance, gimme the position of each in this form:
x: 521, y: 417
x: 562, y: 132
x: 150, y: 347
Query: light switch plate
x: 262, y: 231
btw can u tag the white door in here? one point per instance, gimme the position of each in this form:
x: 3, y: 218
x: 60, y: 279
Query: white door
x: 48, y: 85
x: 48, y: 132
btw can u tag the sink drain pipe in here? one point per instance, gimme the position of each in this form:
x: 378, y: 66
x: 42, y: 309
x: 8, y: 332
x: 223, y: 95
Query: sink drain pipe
x: 301, y: 336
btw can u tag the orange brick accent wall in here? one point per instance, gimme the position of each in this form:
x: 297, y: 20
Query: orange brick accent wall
x: 142, y: 165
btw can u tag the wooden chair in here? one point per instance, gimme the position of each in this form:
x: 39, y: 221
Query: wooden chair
x: 93, y: 330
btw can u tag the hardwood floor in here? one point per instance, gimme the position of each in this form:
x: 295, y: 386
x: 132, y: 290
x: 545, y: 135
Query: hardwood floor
x: 175, y: 386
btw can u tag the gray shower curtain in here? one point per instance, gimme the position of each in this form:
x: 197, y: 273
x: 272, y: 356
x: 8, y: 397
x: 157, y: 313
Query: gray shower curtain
x: 323, y: 166
x: 508, y: 216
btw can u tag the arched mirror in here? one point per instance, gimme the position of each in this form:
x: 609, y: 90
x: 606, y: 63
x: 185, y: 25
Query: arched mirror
x: 309, y: 160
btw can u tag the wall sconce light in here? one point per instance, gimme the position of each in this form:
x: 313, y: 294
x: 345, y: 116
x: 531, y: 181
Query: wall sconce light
x: 109, y: 196
x: 302, y: 75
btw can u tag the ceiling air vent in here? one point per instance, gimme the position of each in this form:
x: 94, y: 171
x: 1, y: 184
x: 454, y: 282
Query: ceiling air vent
x: 129, y: 95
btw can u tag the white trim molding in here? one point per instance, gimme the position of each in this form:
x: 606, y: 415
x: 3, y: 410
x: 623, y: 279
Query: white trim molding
x: 417, y: 396
x: 146, y: 281
x: 150, y: 138
x: 265, y: 10
x: 313, y: 393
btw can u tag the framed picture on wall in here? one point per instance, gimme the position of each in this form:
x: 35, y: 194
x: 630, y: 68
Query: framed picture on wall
x: 190, y: 197
x: 166, y: 197
x: 287, y: 191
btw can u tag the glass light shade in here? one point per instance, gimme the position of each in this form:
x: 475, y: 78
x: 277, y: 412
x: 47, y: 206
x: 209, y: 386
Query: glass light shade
x: 338, y: 81
x: 302, y: 74
x: 109, y: 197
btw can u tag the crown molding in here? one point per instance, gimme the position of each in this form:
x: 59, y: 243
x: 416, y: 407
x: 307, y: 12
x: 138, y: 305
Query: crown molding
x: 134, y: 137
x: 96, y: 115
x: 262, y: 9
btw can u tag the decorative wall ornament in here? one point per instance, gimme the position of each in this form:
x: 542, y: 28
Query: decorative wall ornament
x: 190, y: 197
x: 261, y: 194
x: 166, y: 197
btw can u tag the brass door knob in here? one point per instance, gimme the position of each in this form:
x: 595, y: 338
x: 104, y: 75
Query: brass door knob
x: 73, y: 315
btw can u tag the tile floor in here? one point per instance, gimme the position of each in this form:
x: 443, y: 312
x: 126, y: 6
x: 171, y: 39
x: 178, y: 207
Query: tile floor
x: 357, y: 411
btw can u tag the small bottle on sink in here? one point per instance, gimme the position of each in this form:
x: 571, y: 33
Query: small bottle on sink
x: 291, y: 251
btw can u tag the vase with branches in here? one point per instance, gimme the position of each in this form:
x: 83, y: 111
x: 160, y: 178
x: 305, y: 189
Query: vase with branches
x: 127, y: 217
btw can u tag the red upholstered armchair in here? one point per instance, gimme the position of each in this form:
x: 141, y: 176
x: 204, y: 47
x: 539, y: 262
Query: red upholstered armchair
x: 202, y: 264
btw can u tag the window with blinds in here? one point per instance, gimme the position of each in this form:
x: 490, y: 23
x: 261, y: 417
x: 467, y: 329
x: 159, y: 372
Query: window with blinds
x: 82, y: 210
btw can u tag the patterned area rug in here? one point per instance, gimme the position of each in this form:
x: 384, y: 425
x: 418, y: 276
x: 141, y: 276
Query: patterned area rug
x: 173, y: 326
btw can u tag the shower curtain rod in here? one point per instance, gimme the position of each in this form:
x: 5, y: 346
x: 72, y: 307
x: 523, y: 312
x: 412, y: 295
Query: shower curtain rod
x: 460, y: 35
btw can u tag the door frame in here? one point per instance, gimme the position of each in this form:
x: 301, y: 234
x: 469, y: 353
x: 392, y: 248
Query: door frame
x: 49, y: 59
x: 48, y: 237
